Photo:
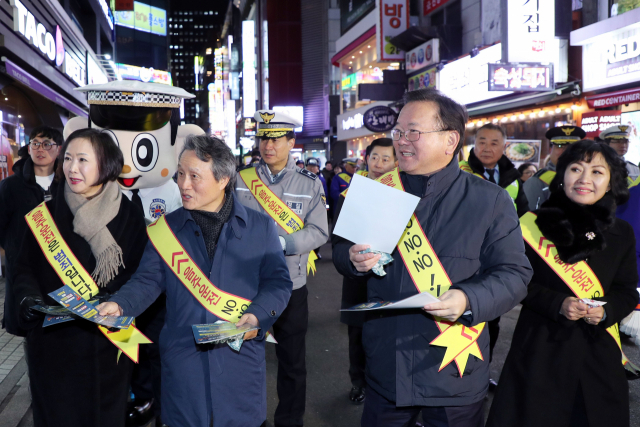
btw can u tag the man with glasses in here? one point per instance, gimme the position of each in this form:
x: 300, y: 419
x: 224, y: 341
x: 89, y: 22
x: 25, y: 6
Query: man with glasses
x: 295, y: 200
x: 31, y: 184
x: 536, y: 188
x: 617, y: 137
x: 464, y: 246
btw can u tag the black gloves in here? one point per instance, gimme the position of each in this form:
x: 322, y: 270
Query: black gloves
x: 27, y: 314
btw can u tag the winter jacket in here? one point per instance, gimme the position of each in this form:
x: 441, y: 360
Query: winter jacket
x: 630, y: 212
x: 338, y: 185
x: 536, y: 190
x: 19, y: 194
x: 554, y: 360
x: 213, y: 383
x: 509, y: 175
x: 302, y: 191
x: 473, y: 228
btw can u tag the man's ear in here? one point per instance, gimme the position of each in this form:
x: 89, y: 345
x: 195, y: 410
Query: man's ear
x: 452, y: 142
x: 183, y: 132
x: 73, y: 125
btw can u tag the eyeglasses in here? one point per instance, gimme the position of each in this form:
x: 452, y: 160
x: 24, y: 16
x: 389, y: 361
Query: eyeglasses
x: 411, y: 135
x: 45, y: 145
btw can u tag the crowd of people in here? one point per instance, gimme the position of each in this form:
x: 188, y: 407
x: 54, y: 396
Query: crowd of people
x: 485, y: 237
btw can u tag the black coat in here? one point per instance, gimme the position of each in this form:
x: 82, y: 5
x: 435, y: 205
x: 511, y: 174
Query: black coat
x: 19, y: 194
x: 473, y: 228
x: 508, y: 174
x: 551, y: 357
x: 74, y: 360
x: 354, y: 289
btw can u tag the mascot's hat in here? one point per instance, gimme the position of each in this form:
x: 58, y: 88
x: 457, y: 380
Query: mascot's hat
x: 133, y: 93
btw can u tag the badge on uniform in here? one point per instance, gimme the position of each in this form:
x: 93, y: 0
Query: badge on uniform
x: 157, y: 208
x: 295, y: 206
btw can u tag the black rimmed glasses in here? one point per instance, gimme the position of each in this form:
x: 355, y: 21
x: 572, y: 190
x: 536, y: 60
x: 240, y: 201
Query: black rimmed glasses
x: 45, y: 145
x: 411, y: 135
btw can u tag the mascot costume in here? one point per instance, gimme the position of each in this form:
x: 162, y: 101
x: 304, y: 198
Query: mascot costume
x: 143, y: 119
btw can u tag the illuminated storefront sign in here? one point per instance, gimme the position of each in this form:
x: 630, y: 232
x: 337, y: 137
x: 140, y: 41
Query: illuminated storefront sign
x: 429, y: 6
x: 95, y: 75
x: 216, y: 97
x: 426, y: 79
x: 145, y: 18
x: 248, y: 69
x: 530, y: 31
x: 107, y: 12
x: 423, y: 56
x: 353, y: 122
x: 53, y: 48
x: 379, y: 119
x: 392, y: 19
x: 466, y: 80
x: 147, y: 75
x: 354, y: 79
x: 595, y: 122
x: 521, y: 77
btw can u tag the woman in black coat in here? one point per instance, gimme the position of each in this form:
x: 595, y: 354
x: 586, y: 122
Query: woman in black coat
x: 564, y: 368
x: 76, y: 377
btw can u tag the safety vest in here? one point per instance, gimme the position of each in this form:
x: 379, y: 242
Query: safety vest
x: 71, y: 272
x: 363, y: 173
x: 512, y: 188
x: 547, y: 177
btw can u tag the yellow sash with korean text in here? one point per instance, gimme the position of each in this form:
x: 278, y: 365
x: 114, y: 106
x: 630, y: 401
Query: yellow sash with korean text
x: 72, y: 273
x: 222, y: 304
x: 579, y: 277
x: 429, y: 275
x: 275, y: 208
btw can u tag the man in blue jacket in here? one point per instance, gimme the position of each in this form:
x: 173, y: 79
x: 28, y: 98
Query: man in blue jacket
x: 474, y: 232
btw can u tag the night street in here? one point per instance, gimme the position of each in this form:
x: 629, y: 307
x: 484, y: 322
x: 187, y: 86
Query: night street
x: 327, y: 362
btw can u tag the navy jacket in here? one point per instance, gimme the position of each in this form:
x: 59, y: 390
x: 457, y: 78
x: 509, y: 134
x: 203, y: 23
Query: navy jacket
x: 200, y: 382
x: 473, y: 228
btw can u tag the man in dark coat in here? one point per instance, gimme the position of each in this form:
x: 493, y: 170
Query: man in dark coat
x: 31, y: 184
x: 473, y: 228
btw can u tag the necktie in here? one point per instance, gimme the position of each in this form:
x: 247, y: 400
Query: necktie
x: 135, y: 198
x: 491, y: 178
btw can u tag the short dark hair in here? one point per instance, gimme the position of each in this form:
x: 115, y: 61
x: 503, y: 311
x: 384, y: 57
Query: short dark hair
x: 451, y: 115
x: 328, y: 162
x: 523, y: 167
x: 585, y: 150
x: 383, y: 142
x: 47, y: 132
x: 108, y: 155
x: 491, y: 126
x: 212, y: 149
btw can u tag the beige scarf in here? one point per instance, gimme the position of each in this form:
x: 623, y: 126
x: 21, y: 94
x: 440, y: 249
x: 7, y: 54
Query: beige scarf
x: 90, y: 222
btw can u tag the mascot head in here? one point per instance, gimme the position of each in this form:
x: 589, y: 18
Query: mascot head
x: 143, y: 119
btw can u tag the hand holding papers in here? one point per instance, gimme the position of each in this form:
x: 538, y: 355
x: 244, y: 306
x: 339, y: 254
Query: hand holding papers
x: 414, y: 301
x: 375, y: 214
x: 222, y: 332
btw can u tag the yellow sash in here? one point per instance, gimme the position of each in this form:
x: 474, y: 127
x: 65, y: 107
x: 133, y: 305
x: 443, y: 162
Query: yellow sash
x: 73, y: 274
x: 345, y: 177
x: 547, y: 177
x: 275, y: 208
x: 363, y: 173
x: 578, y: 277
x: 634, y: 183
x: 464, y: 165
x: 222, y: 304
x: 429, y: 275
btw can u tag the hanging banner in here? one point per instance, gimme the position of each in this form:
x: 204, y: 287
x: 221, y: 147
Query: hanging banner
x: 530, y: 30
x: 392, y: 19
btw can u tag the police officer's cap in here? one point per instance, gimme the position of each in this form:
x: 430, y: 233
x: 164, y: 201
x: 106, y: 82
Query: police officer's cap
x: 312, y: 161
x: 616, y: 132
x: 565, y: 134
x: 351, y: 160
x: 274, y: 124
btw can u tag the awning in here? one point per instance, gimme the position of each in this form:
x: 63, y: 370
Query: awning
x: 351, y: 46
x: 36, y: 85
x: 610, y: 99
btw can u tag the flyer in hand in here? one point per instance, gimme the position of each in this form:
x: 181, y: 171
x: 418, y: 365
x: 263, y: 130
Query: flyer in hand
x: 414, y: 301
x: 219, y: 333
x: 77, y: 305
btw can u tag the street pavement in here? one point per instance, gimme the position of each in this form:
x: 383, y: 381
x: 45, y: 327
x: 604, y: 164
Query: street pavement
x: 328, y: 382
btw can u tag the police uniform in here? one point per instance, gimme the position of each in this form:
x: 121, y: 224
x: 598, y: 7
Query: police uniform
x: 617, y: 133
x: 341, y: 181
x: 302, y: 192
x: 536, y: 188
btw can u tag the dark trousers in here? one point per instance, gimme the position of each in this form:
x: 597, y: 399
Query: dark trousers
x: 494, y: 331
x: 357, y: 358
x: 380, y: 412
x: 145, y: 383
x: 290, y: 330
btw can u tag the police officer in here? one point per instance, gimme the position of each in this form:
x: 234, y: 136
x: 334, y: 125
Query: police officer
x: 301, y: 193
x: 342, y: 180
x: 536, y: 188
x: 617, y: 137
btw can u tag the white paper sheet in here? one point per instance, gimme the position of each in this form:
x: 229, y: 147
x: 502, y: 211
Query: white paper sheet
x: 374, y: 214
x: 415, y: 301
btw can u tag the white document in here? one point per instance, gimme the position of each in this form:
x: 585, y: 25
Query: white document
x: 415, y: 301
x: 375, y: 214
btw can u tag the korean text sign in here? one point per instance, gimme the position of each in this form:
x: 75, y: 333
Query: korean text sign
x: 521, y: 77
x: 530, y: 30
x: 392, y: 19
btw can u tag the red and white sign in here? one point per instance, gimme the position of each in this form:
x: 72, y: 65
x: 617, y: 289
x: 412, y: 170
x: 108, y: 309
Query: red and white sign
x: 530, y: 31
x: 429, y: 6
x: 614, y: 98
x: 393, y: 19
x: 595, y: 122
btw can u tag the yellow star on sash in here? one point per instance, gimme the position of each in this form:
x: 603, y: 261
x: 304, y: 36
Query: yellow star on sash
x: 460, y: 341
x: 311, y: 263
x: 127, y: 340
